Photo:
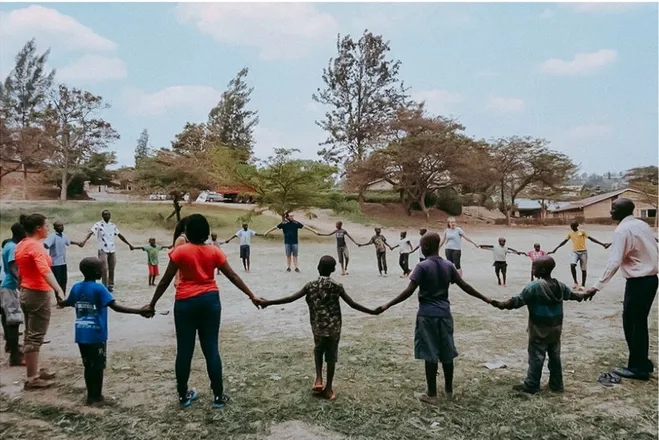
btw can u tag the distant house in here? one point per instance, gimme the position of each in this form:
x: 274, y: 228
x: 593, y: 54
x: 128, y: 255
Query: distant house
x: 600, y: 206
x: 379, y: 185
x: 527, y: 208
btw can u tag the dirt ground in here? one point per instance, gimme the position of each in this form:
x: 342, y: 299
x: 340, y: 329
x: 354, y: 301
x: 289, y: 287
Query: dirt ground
x: 141, y: 352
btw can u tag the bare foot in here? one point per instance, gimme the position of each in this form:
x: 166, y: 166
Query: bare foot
x: 318, y: 386
x: 329, y: 394
x: 427, y: 399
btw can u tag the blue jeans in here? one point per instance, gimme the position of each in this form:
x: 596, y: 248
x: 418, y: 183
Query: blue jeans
x: 199, y: 314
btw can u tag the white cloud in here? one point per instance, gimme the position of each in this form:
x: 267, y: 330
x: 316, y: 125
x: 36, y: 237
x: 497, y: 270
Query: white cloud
x: 589, y: 131
x: 50, y: 28
x: 501, y: 104
x: 140, y: 103
x: 547, y: 14
x: 581, y: 63
x: 438, y: 100
x: 94, y: 68
x: 277, y: 30
x: 607, y: 8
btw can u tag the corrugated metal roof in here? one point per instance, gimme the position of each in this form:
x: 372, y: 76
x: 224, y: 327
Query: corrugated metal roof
x: 594, y: 199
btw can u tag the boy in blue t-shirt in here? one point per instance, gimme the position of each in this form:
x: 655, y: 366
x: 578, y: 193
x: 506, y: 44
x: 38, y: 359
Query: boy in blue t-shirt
x: 91, y: 301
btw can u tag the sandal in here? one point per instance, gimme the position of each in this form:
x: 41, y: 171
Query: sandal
x: 609, y: 379
x: 318, y: 387
x: 329, y: 396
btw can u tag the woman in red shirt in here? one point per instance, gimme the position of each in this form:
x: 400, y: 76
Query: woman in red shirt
x: 36, y: 282
x: 197, y: 307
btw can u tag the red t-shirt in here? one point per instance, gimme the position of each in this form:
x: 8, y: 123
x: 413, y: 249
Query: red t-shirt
x: 33, y: 264
x: 196, y: 267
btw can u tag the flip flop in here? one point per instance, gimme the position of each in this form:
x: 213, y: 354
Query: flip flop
x: 608, y: 379
x: 318, y: 387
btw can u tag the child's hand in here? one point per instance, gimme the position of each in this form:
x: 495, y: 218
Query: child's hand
x: 147, y: 312
x: 380, y: 310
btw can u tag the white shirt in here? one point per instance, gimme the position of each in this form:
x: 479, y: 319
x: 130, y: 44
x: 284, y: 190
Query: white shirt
x: 105, y: 233
x: 421, y: 256
x: 245, y: 236
x: 500, y: 252
x: 633, y: 250
x: 405, y: 246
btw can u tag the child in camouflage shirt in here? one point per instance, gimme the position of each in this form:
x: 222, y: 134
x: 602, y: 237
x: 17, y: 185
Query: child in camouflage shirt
x: 322, y: 296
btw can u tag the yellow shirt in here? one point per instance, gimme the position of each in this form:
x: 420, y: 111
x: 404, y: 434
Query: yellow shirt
x: 578, y: 240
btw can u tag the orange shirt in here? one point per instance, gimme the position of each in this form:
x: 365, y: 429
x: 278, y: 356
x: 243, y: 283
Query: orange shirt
x: 196, y: 266
x: 33, y: 264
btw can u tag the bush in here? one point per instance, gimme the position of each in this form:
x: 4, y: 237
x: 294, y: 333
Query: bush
x: 449, y: 202
x: 375, y: 197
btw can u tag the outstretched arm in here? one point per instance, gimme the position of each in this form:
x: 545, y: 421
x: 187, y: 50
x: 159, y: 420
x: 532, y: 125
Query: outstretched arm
x: 351, y: 239
x: 470, y: 290
x: 164, y: 283
x: 232, y: 276
x: 405, y: 294
x: 594, y: 240
x: 392, y: 248
x: 320, y: 234
x: 515, y: 302
x: 286, y: 300
x: 269, y: 230
x: 227, y: 241
x: 355, y: 305
x: 486, y: 246
x: 469, y: 240
x: 514, y: 251
x: 122, y: 238
x: 311, y: 229
x: 562, y: 243
x: 86, y: 238
x: 123, y: 309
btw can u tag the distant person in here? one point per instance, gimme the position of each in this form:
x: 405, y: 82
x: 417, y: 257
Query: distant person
x: 10, y: 297
x: 290, y: 228
x: 634, y: 252
x: 36, y: 282
x: 91, y: 301
x: 105, y: 231
x: 152, y: 251
x: 245, y: 235
x: 341, y: 245
x: 422, y: 232
x: 534, y: 254
x: 381, y: 245
x: 405, y: 248
x: 197, y: 306
x: 433, y: 335
x: 452, y: 238
x: 579, y: 253
x: 544, y: 299
x: 323, y: 298
x: 56, y: 243
x: 500, y: 252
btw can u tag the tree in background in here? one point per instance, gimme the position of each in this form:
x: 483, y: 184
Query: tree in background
x: 142, y: 147
x: 286, y: 184
x: 22, y: 102
x: 476, y: 177
x: 230, y: 123
x: 364, y: 93
x: 72, y: 122
x: 192, y: 139
x: 95, y: 171
x: 521, y: 161
x: 645, y: 179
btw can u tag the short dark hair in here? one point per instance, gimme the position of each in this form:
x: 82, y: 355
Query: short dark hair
x: 430, y: 244
x: 574, y: 225
x: 17, y: 233
x: 91, y: 268
x: 32, y: 222
x: 197, y: 229
x: 326, y: 265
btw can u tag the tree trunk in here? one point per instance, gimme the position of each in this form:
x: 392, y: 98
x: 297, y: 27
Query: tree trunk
x: 24, y: 182
x: 362, y: 198
x: 509, y: 211
x: 503, y: 204
x: 65, y: 187
x: 424, y: 208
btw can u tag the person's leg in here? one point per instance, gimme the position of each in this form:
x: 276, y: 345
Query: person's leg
x: 15, y: 355
x: 331, y: 357
x: 555, y: 367
x: 318, y: 352
x: 573, y: 271
x: 65, y: 278
x: 112, y: 262
x: 294, y: 252
x: 378, y: 256
x: 497, y: 271
x: 447, y: 367
x: 288, y: 249
x: 329, y: 391
x: 209, y: 331
x: 532, y: 277
x: 406, y: 264
x: 384, y: 262
x: 639, y: 296
x: 504, y: 270
x: 584, y: 267
x: 104, y: 259
x: 346, y: 256
x: 431, y: 378
x: 339, y: 254
x: 36, y: 309
x: 185, y: 323
x: 537, y: 352
x: 401, y: 263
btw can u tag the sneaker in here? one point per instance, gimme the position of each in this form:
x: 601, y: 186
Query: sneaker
x: 522, y: 388
x: 220, y: 401
x: 37, y: 384
x: 189, y: 397
x: 297, y: 270
x: 46, y: 375
x: 288, y: 269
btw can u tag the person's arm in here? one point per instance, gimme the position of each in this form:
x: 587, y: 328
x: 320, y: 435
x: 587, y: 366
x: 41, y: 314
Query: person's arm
x: 48, y: 242
x: 164, y: 283
x: 351, y: 239
x: 442, y: 241
x: 129, y: 310
x: 486, y: 246
x: 229, y: 240
x: 320, y: 234
x: 70, y: 242
x: 392, y: 248
x: 286, y: 300
x: 309, y: 228
x: 122, y: 238
x: 13, y: 269
x: 561, y: 244
x: 355, y: 305
x: 238, y: 282
x: 461, y: 283
x: 84, y: 242
x: 366, y: 244
x: 270, y: 230
x: 168, y: 247
x: 469, y: 240
x: 515, y: 302
x: 405, y: 294
x: 514, y: 251
x: 594, y: 240
x: 43, y: 267
x: 52, y: 282
x: 613, y: 264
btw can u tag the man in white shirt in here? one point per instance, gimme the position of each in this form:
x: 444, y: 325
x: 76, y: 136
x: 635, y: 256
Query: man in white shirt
x: 105, y: 231
x: 245, y: 234
x: 634, y: 252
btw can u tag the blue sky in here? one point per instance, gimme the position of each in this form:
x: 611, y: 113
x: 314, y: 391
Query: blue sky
x: 583, y: 76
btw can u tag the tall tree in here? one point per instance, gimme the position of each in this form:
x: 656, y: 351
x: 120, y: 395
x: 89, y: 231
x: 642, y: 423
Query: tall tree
x: 142, y: 147
x: 77, y: 130
x: 22, y: 101
x: 230, y: 123
x: 364, y: 93
x: 191, y: 140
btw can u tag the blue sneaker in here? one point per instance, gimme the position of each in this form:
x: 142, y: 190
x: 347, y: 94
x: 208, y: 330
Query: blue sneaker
x: 220, y: 401
x: 190, y: 397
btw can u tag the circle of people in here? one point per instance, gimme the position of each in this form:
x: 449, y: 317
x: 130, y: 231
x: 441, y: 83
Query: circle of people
x: 34, y: 264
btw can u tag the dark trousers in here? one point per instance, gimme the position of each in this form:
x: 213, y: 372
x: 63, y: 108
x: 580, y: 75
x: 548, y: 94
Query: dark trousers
x: 11, y: 332
x: 639, y: 296
x: 537, y: 352
x: 382, y: 260
x: 199, y: 314
x: 61, y: 275
x: 404, y: 262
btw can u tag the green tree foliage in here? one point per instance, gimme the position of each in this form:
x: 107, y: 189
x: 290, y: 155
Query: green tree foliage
x: 95, y: 171
x: 142, y: 147
x: 73, y: 122
x: 22, y: 102
x: 644, y: 179
x: 191, y: 140
x: 363, y: 93
x: 230, y: 123
x: 284, y: 183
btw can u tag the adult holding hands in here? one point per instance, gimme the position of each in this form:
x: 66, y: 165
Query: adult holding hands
x: 452, y: 238
x: 197, y: 307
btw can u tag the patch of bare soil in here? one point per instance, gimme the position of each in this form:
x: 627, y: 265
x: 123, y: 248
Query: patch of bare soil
x: 296, y: 430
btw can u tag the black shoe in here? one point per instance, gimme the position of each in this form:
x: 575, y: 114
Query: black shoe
x: 288, y: 269
x: 220, y: 401
x: 522, y: 388
x: 631, y: 374
x: 297, y: 270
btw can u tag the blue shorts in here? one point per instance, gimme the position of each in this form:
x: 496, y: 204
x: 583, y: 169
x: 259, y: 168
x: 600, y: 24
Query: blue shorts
x: 291, y: 249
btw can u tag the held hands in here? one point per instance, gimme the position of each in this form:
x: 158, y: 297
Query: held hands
x: 259, y: 302
x: 607, y: 245
x: 379, y: 310
x: 590, y: 293
x: 497, y: 304
x: 147, y: 311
